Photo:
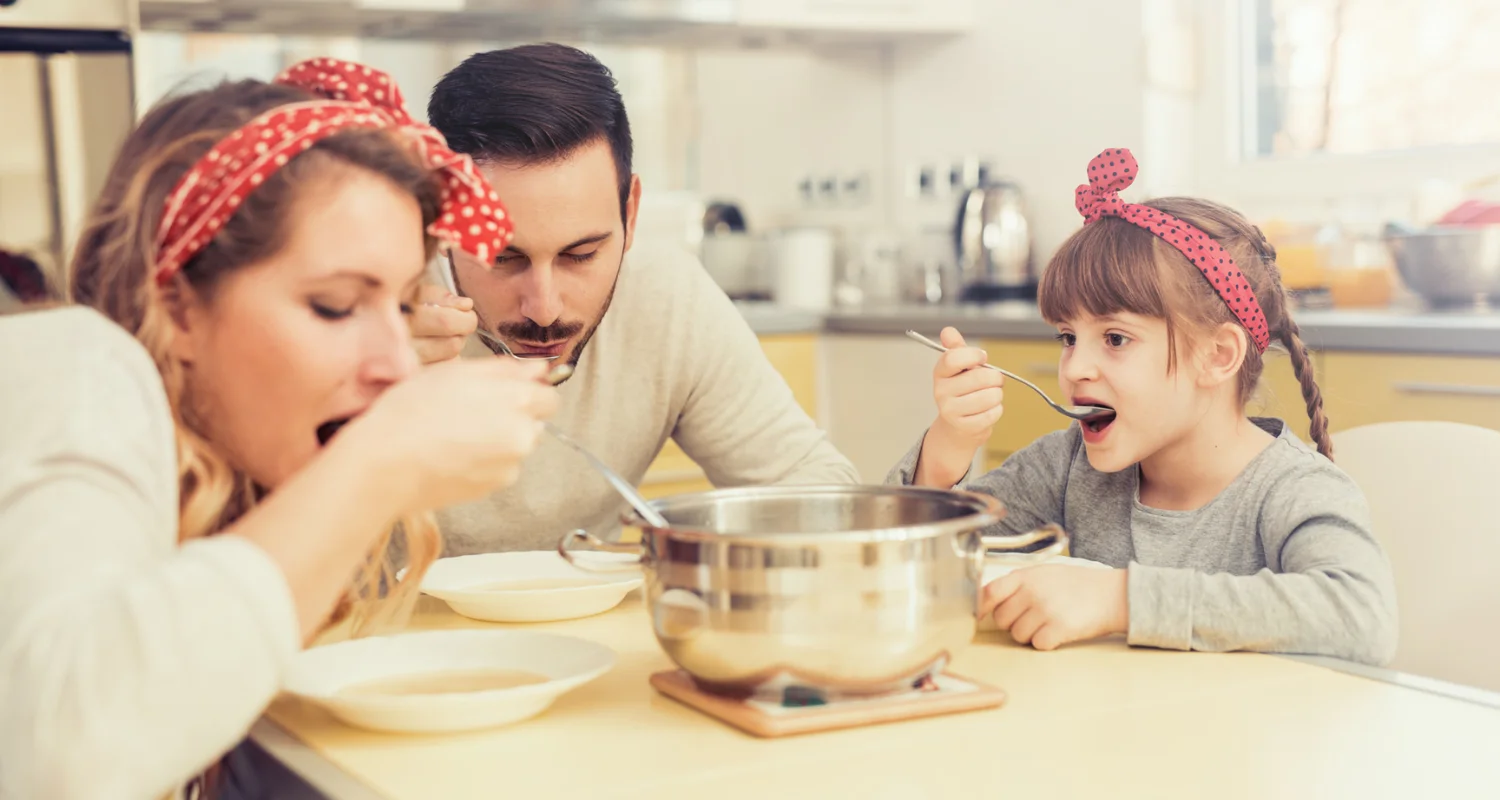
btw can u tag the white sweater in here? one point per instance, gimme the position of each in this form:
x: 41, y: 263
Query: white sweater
x: 128, y: 663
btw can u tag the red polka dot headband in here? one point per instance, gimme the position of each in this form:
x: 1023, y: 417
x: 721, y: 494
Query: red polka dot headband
x: 471, y: 216
x: 1113, y: 170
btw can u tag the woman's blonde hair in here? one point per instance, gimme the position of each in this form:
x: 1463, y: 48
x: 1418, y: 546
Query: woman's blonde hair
x: 1111, y: 266
x: 112, y: 271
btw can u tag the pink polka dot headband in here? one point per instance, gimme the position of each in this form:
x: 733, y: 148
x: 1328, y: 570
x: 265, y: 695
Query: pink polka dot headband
x: 1113, y: 170
x: 471, y: 216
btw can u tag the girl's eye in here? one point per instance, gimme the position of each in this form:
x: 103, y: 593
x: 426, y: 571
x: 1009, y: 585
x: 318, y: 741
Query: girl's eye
x: 331, y: 314
x: 406, y: 309
x: 1116, y: 339
x: 1066, y: 339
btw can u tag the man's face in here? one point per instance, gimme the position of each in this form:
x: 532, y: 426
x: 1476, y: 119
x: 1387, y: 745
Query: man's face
x: 549, y: 290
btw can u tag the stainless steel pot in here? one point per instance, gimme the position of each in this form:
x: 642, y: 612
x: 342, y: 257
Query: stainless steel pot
x: 1449, y: 265
x: 852, y: 589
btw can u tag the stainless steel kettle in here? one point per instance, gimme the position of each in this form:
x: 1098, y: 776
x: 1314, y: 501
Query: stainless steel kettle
x: 992, y: 237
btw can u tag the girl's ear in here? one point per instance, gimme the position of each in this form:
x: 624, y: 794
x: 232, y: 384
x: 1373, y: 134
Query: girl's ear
x: 1222, y: 355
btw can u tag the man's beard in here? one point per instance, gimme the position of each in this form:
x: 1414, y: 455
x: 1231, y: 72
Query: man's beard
x: 528, y: 331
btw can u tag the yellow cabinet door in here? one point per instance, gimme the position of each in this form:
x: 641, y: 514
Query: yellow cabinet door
x: 1365, y: 388
x: 795, y: 356
x: 1280, y: 393
x: 1027, y: 417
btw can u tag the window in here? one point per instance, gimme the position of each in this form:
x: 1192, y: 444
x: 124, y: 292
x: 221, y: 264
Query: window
x: 1357, y: 77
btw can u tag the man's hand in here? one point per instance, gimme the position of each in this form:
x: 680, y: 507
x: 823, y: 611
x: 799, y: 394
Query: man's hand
x: 440, y: 323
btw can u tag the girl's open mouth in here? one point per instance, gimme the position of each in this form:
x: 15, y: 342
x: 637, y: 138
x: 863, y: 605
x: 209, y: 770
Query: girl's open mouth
x: 1095, y: 426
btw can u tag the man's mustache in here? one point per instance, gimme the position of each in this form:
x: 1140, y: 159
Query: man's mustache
x: 533, y: 333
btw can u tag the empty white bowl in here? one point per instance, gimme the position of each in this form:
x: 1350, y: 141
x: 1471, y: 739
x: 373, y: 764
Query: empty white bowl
x: 530, y: 586
x: 449, y: 664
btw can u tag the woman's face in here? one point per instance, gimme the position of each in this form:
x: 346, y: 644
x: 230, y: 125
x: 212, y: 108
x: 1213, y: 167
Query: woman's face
x: 285, y: 349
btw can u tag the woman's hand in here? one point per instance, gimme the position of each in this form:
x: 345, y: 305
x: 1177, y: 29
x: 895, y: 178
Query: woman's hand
x: 452, y: 432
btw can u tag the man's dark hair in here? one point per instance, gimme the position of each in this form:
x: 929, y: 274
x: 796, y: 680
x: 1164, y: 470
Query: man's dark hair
x: 532, y: 104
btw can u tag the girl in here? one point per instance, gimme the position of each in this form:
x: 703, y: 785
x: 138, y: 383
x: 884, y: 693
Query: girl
x: 1225, y: 531
x: 194, y: 465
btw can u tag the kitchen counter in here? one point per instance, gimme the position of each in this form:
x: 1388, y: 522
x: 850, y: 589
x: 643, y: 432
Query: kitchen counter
x: 1092, y: 720
x: 1472, y: 333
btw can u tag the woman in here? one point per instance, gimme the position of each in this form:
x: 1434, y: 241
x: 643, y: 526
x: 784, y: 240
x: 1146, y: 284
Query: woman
x: 192, y: 468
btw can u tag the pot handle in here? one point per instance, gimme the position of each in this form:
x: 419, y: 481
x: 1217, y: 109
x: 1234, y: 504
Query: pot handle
x: 597, y: 544
x: 1051, y: 531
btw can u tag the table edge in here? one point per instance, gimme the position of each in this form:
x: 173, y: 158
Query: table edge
x: 1442, y: 688
x: 327, y: 777
x: 307, y: 764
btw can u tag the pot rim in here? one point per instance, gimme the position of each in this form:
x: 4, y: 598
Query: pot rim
x: 987, y: 511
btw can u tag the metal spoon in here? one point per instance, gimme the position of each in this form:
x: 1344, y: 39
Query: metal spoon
x: 451, y: 279
x: 621, y: 485
x: 1076, y: 412
x: 559, y: 374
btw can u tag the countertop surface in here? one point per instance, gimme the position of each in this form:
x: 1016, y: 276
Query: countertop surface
x: 1414, y: 330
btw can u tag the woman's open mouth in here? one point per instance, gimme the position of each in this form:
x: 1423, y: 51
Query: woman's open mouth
x: 327, y: 430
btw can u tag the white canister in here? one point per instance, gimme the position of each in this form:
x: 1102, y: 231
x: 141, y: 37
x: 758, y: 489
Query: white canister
x: 802, y: 261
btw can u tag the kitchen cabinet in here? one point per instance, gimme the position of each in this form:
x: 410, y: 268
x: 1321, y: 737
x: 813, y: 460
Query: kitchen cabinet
x: 1027, y: 417
x: 1280, y: 393
x: 879, y: 398
x: 873, y: 16
x: 1365, y: 388
x: 795, y: 356
x: 877, y: 390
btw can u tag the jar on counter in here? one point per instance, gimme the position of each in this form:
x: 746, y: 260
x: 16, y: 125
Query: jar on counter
x: 1360, y: 271
x: 1300, y: 258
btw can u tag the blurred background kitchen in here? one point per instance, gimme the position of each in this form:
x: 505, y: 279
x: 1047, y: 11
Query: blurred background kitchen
x: 852, y: 168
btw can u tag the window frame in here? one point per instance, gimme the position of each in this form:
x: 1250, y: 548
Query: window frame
x: 1387, y: 179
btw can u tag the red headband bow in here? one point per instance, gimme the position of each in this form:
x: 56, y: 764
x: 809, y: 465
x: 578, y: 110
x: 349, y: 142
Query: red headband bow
x: 470, y: 217
x: 1113, y: 170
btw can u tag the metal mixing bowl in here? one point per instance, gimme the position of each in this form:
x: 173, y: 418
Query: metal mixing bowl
x: 853, y: 589
x: 1448, y: 265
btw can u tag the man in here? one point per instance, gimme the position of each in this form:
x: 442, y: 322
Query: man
x: 659, y: 350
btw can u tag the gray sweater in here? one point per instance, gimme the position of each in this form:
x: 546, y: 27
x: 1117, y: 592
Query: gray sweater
x: 1283, y: 560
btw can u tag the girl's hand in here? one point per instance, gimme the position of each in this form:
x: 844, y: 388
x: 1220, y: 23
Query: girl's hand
x: 1051, y: 605
x: 969, y: 401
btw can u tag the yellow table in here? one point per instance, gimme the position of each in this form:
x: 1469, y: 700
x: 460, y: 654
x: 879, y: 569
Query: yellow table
x: 1098, y: 720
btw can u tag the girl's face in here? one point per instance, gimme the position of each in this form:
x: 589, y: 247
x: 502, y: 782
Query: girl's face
x: 1121, y: 361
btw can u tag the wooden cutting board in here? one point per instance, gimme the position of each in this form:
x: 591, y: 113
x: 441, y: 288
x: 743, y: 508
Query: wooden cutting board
x: 797, y: 714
